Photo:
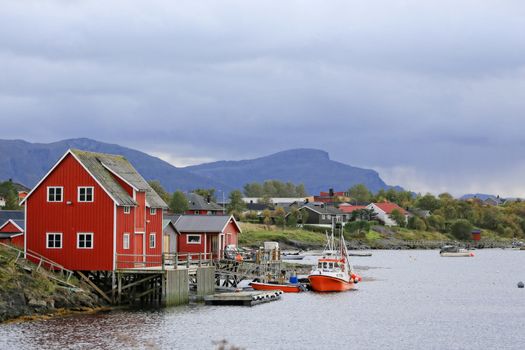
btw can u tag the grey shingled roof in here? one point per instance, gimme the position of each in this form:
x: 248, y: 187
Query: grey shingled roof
x: 324, y: 209
x: 201, y: 223
x: 198, y: 202
x: 11, y: 214
x: 98, y: 165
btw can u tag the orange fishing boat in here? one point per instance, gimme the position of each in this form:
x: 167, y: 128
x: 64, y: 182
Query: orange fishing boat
x: 333, y: 273
x: 286, y: 288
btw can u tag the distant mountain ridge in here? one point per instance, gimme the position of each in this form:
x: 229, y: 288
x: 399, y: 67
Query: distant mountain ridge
x: 26, y: 163
x: 312, y: 167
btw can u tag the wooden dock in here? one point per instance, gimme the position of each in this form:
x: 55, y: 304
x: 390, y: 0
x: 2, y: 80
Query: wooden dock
x: 243, y: 298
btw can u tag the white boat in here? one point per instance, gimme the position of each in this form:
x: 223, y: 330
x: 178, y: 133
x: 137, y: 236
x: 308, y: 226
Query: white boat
x: 453, y: 251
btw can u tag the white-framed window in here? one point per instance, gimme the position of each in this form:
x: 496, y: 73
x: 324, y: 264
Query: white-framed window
x: 125, y: 241
x: 85, y: 194
x: 55, y: 193
x: 54, y: 240
x: 152, y: 240
x: 193, y: 239
x: 127, y: 209
x: 323, y: 217
x: 196, y: 212
x: 153, y: 211
x: 85, y: 240
x: 329, y: 217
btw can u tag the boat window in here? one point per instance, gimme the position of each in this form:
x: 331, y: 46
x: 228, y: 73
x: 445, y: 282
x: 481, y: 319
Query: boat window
x: 325, y: 265
x: 331, y: 266
x: 320, y: 265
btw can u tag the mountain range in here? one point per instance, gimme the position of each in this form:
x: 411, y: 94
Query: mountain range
x: 26, y: 163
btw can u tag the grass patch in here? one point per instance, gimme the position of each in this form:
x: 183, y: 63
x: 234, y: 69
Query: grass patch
x: 415, y: 235
x: 373, y: 236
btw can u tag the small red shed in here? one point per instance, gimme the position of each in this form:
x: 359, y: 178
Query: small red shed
x: 12, y: 232
x: 206, y: 233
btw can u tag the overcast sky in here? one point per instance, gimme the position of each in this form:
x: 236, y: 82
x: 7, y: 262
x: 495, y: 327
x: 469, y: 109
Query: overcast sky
x: 429, y: 93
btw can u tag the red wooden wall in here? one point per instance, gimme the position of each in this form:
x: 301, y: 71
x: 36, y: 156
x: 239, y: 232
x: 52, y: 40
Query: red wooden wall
x: 96, y: 217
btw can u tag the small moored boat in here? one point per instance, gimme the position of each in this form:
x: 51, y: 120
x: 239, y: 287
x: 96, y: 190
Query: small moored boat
x: 454, y: 251
x: 333, y: 273
x: 286, y: 288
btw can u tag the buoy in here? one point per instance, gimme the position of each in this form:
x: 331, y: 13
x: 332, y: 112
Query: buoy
x: 521, y: 285
x: 471, y: 254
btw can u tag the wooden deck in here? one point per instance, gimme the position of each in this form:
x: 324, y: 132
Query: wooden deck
x: 243, y: 298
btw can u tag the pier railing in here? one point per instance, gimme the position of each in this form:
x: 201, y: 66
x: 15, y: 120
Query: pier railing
x: 165, y: 261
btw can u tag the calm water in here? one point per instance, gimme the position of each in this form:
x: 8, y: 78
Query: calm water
x: 416, y: 300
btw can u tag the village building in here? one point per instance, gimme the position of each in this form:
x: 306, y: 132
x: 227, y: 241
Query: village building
x: 321, y: 214
x: 12, y: 227
x: 89, y: 208
x: 349, y: 208
x: 206, y: 234
x: 198, y: 205
x: 384, y: 210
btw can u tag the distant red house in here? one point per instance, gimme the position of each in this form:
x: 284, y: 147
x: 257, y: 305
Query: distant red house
x: 349, y: 208
x: 12, y: 232
x: 206, y: 234
x: 90, y: 207
x: 332, y: 197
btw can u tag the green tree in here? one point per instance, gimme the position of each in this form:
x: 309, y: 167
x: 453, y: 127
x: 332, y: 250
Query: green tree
x: 461, y: 229
x: 266, y: 200
x: 253, y: 189
x: 157, y: 187
x: 360, y: 193
x: 359, y: 228
x: 178, y: 203
x: 293, y: 218
x: 303, y: 217
x: 437, y: 222
x: 10, y: 194
x: 428, y: 202
x: 416, y: 223
x: 236, y: 205
x: 267, y: 217
x: 279, y: 215
x: 206, y: 192
x: 398, y: 217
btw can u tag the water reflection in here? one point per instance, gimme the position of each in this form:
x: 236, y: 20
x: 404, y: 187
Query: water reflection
x: 416, y: 300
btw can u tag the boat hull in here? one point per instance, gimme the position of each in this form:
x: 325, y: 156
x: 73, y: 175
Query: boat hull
x: 457, y: 255
x: 320, y: 283
x: 286, y: 288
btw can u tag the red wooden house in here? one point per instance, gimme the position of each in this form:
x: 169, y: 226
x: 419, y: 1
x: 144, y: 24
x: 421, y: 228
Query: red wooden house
x: 206, y: 233
x: 90, y: 207
x: 12, y: 232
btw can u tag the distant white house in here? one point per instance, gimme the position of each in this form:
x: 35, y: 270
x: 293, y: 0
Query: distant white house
x: 2, y: 202
x: 275, y: 200
x: 383, y: 211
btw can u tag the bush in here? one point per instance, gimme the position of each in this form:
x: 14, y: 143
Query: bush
x: 416, y: 223
x: 461, y: 229
x: 313, y: 228
x: 437, y: 222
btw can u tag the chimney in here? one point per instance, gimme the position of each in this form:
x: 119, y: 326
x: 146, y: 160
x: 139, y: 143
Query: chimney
x: 208, y: 199
x: 331, y: 192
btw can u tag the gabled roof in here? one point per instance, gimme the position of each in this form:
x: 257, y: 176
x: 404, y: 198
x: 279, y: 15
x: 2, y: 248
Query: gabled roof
x: 322, y: 208
x: 18, y: 224
x: 388, y: 207
x: 103, y: 167
x: 11, y: 214
x: 198, y: 202
x: 204, y: 223
x: 166, y: 223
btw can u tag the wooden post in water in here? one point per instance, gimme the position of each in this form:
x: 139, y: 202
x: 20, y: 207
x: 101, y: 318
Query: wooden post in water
x: 205, y: 281
x: 177, y: 287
